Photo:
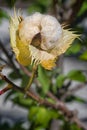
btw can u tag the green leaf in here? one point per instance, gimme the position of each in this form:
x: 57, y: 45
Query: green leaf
x: 76, y: 75
x: 21, y: 101
x: 5, y: 126
x: 70, y: 126
x: 39, y: 128
x: 18, y: 126
x: 74, y: 127
x: 42, y: 116
x: 25, y: 102
x: 75, y: 48
x: 1, y: 82
x: 75, y: 98
x: 3, y: 14
x: 60, y: 80
x: 13, y: 75
x: 40, y: 6
x: 83, y: 8
x: 25, y: 80
x: 83, y: 56
x: 43, y: 79
x: 79, y: 99
x: 45, y: 3
x: 11, y: 2
x: 34, y: 8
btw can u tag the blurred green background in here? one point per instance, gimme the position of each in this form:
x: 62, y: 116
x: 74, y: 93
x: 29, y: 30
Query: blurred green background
x: 67, y: 81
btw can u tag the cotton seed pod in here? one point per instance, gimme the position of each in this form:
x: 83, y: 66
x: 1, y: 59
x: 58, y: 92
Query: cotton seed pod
x: 39, y: 39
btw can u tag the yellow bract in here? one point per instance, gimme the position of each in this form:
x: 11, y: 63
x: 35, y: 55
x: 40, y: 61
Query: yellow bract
x: 20, y: 48
x: 49, y: 64
x: 24, y: 54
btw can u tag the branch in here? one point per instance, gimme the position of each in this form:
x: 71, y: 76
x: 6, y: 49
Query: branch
x: 73, y: 90
x: 3, y: 60
x: 54, y: 4
x: 52, y: 96
x: 19, y: 3
x: 58, y: 106
x: 9, y: 57
x: 75, y: 9
x: 80, y: 18
x: 25, y: 70
x: 8, y: 87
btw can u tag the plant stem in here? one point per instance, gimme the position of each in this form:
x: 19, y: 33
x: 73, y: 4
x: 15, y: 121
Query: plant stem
x: 31, y: 78
x: 57, y: 106
x: 8, y: 87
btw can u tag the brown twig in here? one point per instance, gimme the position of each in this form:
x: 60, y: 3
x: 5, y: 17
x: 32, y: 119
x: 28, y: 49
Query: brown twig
x: 8, y: 87
x: 75, y: 9
x: 78, y: 87
x: 58, y: 106
x: 25, y: 70
x: 3, y: 60
x: 54, y: 4
x: 49, y: 94
x: 73, y: 90
x: 9, y: 57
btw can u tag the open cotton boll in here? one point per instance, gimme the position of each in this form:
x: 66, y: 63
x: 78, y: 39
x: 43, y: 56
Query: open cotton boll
x: 34, y: 19
x: 39, y: 39
x: 27, y: 32
x: 51, y: 31
x: 29, y: 27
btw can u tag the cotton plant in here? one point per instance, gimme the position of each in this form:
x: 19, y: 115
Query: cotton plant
x: 38, y: 39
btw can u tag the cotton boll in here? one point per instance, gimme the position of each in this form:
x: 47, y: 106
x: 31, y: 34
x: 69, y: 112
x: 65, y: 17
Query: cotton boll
x: 34, y: 19
x: 29, y: 27
x: 47, y: 25
x: 27, y: 31
x: 51, y: 31
x: 39, y: 39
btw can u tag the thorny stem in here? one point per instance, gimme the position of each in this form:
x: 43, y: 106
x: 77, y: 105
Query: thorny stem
x: 31, y: 78
x: 58, y: 106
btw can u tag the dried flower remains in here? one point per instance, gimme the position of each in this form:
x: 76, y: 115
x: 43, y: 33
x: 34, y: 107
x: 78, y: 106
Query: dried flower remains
x: 39, y: 39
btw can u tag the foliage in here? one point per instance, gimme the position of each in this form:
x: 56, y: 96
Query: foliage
x: 3, y: 14
x: 43, y: 79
